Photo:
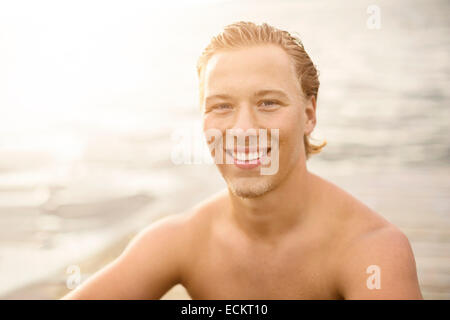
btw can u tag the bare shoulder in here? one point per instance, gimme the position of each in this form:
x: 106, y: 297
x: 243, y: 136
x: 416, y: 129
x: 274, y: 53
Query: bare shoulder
x: 184, y: 231
x: 367, y: 244
x: 343, y: 217
x: 183, y: 225
x: 199, y: 219
x: 153, y: 262
x: 378, y: 264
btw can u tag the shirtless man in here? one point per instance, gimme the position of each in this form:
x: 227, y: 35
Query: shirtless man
x: 287, y: 235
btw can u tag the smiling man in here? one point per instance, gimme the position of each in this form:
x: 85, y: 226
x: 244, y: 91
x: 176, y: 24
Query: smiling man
x: 285, y: 235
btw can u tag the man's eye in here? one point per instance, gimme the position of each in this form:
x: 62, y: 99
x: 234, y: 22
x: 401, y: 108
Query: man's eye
x: 222, y: 107
x: 269, y: 104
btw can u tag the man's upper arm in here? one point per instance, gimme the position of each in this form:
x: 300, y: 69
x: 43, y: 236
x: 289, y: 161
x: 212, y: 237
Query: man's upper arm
x: 148, y: 267
x: 379, y: 265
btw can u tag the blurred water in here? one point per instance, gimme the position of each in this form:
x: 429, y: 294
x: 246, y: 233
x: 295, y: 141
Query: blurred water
x: 89, y: 99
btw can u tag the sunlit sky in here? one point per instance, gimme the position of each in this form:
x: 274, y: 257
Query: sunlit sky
x: 86, y: 64
x: 60, y: 59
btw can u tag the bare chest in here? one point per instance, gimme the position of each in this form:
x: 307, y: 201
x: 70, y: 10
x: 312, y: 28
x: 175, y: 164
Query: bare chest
x: 244, y: 272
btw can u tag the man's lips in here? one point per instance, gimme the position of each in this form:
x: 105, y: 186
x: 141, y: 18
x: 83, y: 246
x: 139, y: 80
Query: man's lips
x: 247, y: 154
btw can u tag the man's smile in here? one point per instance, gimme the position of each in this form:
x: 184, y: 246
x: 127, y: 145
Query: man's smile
x: 248, y: 157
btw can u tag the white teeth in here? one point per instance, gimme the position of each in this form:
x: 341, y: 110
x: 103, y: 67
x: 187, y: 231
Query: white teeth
x: 242, y: 156
x: 251, y: 156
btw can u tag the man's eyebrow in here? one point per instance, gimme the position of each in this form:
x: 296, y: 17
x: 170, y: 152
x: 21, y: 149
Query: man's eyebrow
x: 217, y: 96
x: 258, y: 94
x: 262, y: 93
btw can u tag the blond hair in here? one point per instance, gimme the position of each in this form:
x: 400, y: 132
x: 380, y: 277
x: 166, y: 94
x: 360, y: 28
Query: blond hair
x: 242, y: 34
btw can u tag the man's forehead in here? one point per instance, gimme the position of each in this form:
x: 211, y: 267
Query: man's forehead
x: 268, y: 64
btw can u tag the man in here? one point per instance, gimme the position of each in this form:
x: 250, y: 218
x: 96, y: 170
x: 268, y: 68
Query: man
x: 285, y: 235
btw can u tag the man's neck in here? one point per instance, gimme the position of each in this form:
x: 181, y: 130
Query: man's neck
x: 275, y: 213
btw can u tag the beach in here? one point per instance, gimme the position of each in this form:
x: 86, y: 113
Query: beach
x: 100, y: 128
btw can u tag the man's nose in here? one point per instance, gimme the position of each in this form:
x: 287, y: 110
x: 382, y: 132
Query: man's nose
x: 244, y: 119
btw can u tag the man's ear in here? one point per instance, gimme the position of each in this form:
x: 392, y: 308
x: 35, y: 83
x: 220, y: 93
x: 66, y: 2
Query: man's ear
x: 310, y: 115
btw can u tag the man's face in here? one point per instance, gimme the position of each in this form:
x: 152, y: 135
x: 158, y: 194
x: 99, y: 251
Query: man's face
x: 256, y: 88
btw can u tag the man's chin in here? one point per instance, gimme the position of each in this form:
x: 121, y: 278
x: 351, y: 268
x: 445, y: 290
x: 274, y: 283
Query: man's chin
x: 248, y: 188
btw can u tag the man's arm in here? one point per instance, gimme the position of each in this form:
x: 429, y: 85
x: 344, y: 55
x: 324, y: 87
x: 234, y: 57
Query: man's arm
x: 147, y: 269
x: 379, y: 265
